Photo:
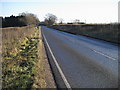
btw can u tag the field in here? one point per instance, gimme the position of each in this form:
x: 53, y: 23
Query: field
x: 107, y: 32
x: 19, y: 52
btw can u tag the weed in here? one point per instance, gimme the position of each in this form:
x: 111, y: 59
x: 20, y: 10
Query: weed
x: 19, y: 57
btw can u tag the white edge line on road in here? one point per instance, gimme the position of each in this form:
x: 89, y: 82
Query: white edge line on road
x: 104, y: 55
x: 59, y: 69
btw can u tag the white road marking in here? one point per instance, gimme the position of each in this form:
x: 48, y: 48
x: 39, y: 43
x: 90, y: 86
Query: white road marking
x: 59, y: 69
x: 104, y: 55
x: 112, y: 58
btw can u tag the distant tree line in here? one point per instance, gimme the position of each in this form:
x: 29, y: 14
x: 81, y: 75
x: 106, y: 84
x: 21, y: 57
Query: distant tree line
x: 23, y: 19
x: 50, y: 19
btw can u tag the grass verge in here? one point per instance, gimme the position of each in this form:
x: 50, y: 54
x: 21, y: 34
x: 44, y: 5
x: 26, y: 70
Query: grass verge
x: 19, y: 57
x: 106, y: 32
x: 24, y: 63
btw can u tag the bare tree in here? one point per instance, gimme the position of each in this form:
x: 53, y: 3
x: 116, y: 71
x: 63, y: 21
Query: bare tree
x: 30, y: 18
x: 61, y: 21
x: 50, y: 19
x: 76, y: 21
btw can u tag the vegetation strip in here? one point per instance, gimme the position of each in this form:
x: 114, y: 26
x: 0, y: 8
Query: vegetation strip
x: 106, y: 32
x: 18, y: 68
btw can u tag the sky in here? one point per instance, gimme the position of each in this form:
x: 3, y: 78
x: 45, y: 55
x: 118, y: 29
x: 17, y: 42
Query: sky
x: 89, y: 11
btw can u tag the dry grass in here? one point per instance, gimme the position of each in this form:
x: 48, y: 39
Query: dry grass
x: 19, y: 52
x: 43, y: 78
x: 24, y: 63
x: 11, y: 37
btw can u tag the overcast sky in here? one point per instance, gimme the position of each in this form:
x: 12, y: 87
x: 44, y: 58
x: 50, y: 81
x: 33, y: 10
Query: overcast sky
x: 91, y: 11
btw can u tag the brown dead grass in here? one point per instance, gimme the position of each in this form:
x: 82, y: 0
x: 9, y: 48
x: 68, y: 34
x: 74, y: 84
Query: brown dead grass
x: 106, y: 32
x: 12, y: 38
x: 43, y: 78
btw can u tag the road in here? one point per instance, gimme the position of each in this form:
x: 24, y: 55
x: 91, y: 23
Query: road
x: 81, y: 61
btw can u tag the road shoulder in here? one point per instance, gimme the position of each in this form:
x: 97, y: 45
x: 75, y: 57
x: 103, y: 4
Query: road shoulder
x: 44, y: 77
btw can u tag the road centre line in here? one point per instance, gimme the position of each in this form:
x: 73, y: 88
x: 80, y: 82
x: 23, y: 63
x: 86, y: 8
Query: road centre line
x: 104, y: 55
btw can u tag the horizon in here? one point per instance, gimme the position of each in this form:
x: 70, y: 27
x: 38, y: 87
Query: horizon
x: 100, y: 11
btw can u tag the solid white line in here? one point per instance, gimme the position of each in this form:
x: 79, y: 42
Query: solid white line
x: 104, y: 55
x: 59, y: 69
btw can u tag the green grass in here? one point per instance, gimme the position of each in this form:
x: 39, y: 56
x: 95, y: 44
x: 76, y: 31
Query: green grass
x: 18, y: 64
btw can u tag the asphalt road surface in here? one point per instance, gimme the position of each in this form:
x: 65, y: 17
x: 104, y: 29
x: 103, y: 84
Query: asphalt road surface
x: 81, y: 61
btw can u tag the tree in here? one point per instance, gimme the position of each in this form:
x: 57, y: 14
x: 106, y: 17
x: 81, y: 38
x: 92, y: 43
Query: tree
x: 50, y: 19
x: 1, y: 19
x: 61, y: 21
x: 76, y: 21
x: 23, y: 19
x: 30, y: 18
